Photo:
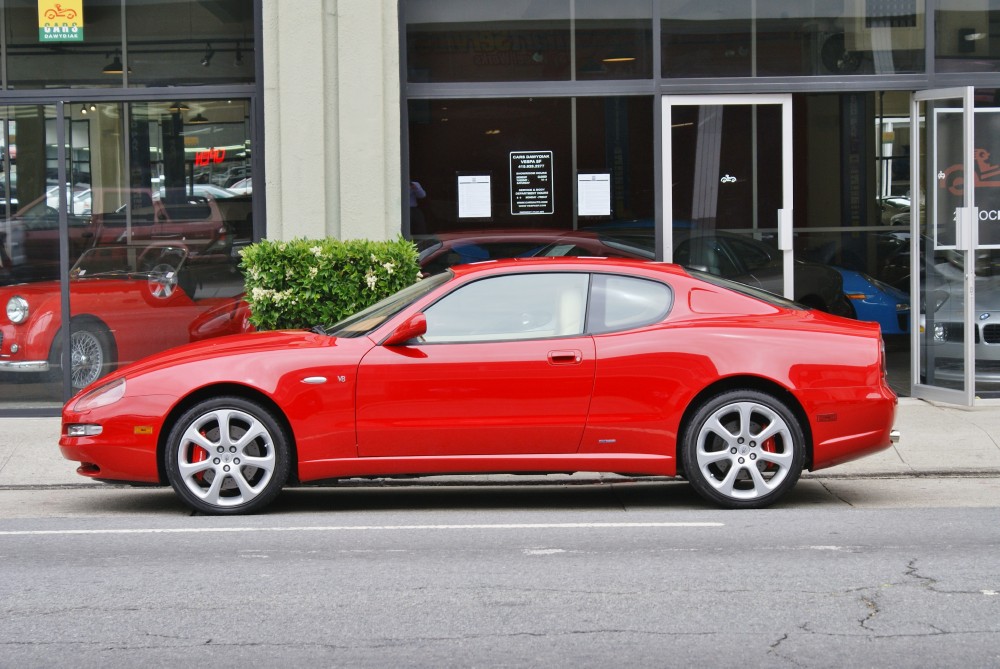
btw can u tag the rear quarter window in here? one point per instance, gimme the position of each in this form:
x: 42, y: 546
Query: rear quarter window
x: 625, y: 303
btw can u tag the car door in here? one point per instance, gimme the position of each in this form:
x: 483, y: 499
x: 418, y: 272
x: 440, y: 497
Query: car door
x: 505, y: 368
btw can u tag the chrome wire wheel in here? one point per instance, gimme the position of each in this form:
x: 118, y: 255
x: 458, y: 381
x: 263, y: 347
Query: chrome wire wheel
x: 744, y: 449
x: 87, y: 358
x: 227, y: 456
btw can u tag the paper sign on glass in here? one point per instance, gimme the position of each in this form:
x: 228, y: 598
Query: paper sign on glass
x: 593, y: 194
x: 474, y: 196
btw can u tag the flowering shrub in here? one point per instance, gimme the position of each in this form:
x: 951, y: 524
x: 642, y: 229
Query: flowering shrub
x: 302, y: 283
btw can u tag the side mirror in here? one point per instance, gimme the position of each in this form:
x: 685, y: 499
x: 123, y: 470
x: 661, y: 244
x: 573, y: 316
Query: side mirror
x: 415, y: 326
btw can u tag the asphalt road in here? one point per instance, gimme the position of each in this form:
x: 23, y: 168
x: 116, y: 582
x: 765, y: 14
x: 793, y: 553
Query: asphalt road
x: 847, y: 572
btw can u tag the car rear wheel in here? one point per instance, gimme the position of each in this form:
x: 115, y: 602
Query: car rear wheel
x: 227, y: 456
x: 743, y: 449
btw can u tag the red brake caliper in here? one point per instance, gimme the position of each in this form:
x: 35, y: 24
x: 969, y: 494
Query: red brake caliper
x: 770, y: 446
x: 198, y: 454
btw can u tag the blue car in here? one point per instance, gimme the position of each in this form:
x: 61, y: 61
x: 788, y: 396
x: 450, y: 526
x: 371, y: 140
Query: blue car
x: 874, y: 300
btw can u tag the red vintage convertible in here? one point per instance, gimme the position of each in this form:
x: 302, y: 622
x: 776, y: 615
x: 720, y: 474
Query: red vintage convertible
x: 529, y: 365
x: 127, y: 301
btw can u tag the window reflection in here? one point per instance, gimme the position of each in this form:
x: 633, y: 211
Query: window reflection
x: 967, y: 39
x: 154, y: 235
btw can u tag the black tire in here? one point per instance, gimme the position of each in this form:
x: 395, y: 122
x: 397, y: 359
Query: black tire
x: 91, y: 356
x: 213, y: 466
x: 727, y: 462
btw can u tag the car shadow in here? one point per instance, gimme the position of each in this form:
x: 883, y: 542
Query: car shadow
x: 426, y: 494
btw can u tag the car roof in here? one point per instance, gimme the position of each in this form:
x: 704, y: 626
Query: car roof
x: 571, y: 263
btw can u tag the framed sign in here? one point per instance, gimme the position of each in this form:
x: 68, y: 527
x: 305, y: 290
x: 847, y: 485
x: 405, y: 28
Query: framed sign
x: 531, y: 183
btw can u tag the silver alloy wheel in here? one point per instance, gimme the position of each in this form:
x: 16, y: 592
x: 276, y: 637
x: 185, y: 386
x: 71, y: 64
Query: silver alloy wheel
x: 745, y: 450
x: 226, y: 458
x: 87, y: 357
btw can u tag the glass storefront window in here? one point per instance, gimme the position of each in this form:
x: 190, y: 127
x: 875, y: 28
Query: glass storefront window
x: 189, y: 42
x: 33, y: 64
x: 967, y: 37
x: 721, y: 38
x: 449, y: 40
x: 157, y: 203
x: 497, y: 178
x: 613, y: 40
x: 454, y: 40
x: 166, y: 43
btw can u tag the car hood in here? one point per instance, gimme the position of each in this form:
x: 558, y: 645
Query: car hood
x: 251, y: 345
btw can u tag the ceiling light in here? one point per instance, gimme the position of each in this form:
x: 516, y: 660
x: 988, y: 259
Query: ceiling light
x: 177, y: 107
x: 115, y: 66
x: 197, y: 119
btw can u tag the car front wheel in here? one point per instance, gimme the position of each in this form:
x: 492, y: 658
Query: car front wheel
x: 91, y: 354
x: 743, y: 449
x: 227, y: 456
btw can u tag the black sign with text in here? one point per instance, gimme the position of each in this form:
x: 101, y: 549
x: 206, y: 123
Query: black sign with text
x: 531, y: 182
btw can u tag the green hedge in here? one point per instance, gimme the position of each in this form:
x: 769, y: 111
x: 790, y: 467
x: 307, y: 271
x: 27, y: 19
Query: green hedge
x: 302, y: 282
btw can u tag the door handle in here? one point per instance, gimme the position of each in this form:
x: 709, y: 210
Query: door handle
x: 565, y: 357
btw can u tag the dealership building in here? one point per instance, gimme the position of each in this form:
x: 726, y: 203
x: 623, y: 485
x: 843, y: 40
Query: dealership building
x: 779, y: 135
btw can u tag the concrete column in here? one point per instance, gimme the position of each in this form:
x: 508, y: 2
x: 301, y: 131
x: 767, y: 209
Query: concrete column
x: 331, y: 105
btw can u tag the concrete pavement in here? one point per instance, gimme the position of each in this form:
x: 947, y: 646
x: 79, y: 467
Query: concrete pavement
x: 940, y: 440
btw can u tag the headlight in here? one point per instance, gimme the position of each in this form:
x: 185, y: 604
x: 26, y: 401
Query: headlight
x: 17, y: 309
x: 102, y: 396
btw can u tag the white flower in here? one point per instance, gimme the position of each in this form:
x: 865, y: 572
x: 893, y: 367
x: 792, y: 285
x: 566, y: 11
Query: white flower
x: 313, y: 271
x: 371, y: 280
x: 389, y: 267
x: 316, y: 251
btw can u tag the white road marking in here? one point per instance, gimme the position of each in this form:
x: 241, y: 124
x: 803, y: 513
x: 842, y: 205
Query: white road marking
x: 356, y: 528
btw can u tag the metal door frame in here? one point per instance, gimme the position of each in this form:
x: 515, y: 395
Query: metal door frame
x: 966, y: 231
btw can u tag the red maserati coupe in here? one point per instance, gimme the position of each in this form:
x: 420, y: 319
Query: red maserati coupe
x: 528, y: 365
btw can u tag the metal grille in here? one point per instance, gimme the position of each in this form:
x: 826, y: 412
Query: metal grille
x: 991, y: 333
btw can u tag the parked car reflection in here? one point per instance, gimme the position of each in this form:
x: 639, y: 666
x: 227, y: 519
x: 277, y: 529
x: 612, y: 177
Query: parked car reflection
x: 128, y: 301
x: 943, y: 319
x: 121, y: 217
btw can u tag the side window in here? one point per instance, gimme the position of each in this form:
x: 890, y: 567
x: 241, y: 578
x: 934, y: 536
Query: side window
x: 624, y: 303
x: 519, y: 306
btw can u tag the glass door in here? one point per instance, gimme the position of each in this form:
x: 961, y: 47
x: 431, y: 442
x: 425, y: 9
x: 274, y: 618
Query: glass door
x: 727, y: 194
x: 943, y: 239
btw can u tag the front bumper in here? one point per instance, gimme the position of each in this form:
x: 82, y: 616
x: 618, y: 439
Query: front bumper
x: 24, y: 365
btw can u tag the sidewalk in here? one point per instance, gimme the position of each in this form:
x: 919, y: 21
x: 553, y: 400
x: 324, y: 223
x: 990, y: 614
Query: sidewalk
x: 936, y: 440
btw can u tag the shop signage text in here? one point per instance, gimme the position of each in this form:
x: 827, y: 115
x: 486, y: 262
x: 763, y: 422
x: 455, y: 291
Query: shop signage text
x: 531, y: 182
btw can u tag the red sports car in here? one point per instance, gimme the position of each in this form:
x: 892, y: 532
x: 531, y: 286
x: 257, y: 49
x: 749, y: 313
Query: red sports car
x: 529, y: 365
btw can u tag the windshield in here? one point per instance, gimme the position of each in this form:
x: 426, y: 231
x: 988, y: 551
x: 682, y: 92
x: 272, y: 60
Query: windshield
x: 756, y: 293
x: 368, y: 319
x: 112, y: 261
